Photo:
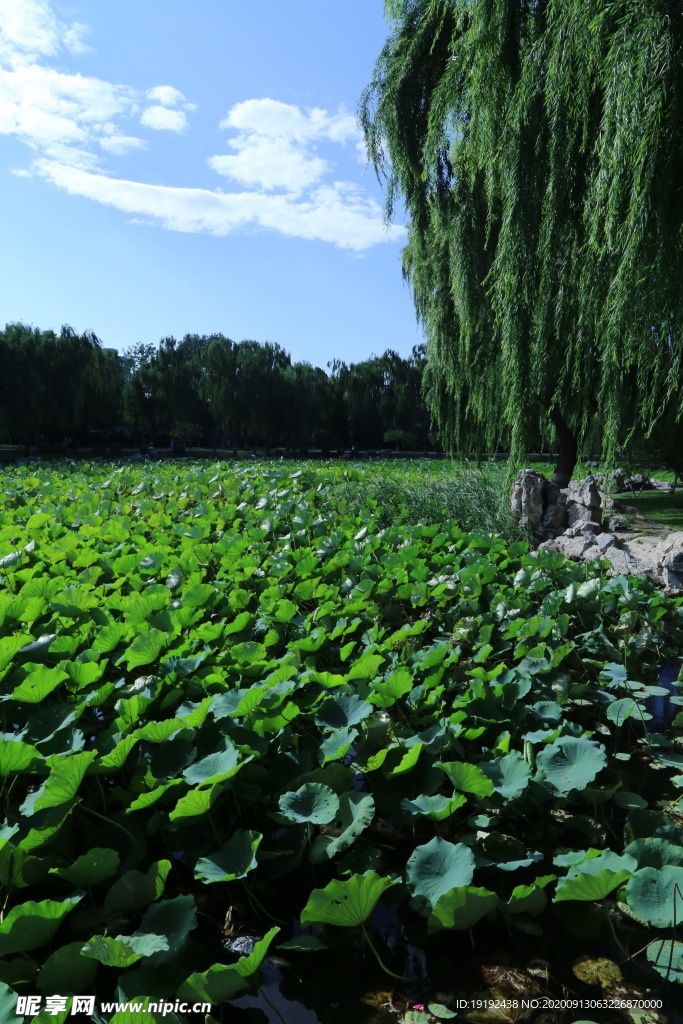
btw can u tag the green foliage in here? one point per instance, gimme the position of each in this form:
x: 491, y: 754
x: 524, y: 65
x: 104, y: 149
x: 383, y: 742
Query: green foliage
x: 382, y: 706
x: 531, y: 146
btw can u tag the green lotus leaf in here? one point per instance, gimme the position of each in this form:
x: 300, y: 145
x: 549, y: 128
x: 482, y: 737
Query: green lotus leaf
x: 509, y: 774
x: 619, y: 710
x: 91, y: 867
x: 31, y: 925
x: 365, y: 667
x: 221, y: 983
x: 146, y: 648
x: 346, y: 903
x: 313, y: 802
x: 438, y: 807
x: 38, y: 684
x: 214, y: 766
x: 16, y: 756
x: 436, y: 868
x: 341, y: 712
x: 171, y: 919
x: 656, y: 895
x: 654, y: 852
x: 571, y: 763
x: 666, y: 956
x: 528, y: 899
x: 356, y: 811
x: 234, y: 860
x: 112, y: 952
x: 66, y: 775
x: 389, y: 690
x: 468, y: 778
x: 134, y: 890
x: 67, y: 969
x: 462, y: 907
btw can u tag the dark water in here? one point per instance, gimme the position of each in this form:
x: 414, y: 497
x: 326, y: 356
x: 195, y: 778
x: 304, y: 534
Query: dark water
x: 660, y: 707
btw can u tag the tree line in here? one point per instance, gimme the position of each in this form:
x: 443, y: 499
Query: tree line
x: 204, y: 389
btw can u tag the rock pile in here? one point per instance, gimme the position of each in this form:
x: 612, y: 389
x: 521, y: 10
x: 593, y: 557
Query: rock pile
x: 571, y: 522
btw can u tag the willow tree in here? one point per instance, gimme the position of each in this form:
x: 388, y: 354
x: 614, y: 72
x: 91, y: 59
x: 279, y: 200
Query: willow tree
x: 537, y: 146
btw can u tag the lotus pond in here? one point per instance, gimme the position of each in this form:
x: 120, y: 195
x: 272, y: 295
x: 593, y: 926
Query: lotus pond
x: 263, y: 748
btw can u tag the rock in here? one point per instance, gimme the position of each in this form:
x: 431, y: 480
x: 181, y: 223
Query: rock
x: 670, y: 553
x: 615, y: 523
x: 581, y: 527
x: 528, y: 492
x: 639, y: 482
x: 619, y: 477
x: 661, y: 485
x: 582, y: 514
x: 605, y: 540
x: 584, y: 492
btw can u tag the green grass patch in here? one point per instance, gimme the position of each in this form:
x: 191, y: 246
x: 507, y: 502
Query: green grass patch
x: 660, y: 506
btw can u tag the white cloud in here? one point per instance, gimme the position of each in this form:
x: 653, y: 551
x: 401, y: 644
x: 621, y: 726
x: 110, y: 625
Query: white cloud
x: 164, y: 119
x: 166, y: 95
x: 73, y: 38
x: 280, y: 160
x: 276, y: 144
x: 339, y: 213
x: 120, y: 144
x: 50, y: 110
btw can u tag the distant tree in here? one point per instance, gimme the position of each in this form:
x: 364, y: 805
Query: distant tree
x: 537, y: 147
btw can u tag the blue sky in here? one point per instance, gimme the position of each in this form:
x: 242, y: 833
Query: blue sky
x: 171, y: 167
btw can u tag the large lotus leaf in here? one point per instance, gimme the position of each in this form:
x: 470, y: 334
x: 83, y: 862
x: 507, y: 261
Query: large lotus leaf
x: 146, y: 648
x: 389, y: 690
x: 214, y: 766
x: 438, y: 807
x: 66, y: 775
x: 135, y: 890
x: 312, y: 802
x: 462, y: 908
x: 595, y: 876
x: 654, y: 852
x: 16, y: 756
x: 510, y: 774
x: 356, y: 811
x: 589, y: 887
x: 221, y: 983
x: 174, y: 919
x: 666, y: 956
x: 235, y: 860
x: 342, y: 711
x: 346, y: 903
x: 38, y: 684
x: 437, y: 867
x: 91, y: 867
x: 656, y: 896
x: 571, y: 763
x: 31, y: 925
x: 528, y: 899
x: 619, y: 710
x: 468, y: 778
x: 66, y: 970
x: 112, y: 952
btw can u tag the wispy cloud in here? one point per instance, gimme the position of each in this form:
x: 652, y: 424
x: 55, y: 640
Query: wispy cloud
x: 339, y: 213
x: 284, y: 181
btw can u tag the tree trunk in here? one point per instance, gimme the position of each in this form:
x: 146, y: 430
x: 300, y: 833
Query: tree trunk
x: 568, y: 449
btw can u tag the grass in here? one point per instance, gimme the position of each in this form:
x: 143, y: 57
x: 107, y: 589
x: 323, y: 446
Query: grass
x: 659, y: 506
x: 476, y: 499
